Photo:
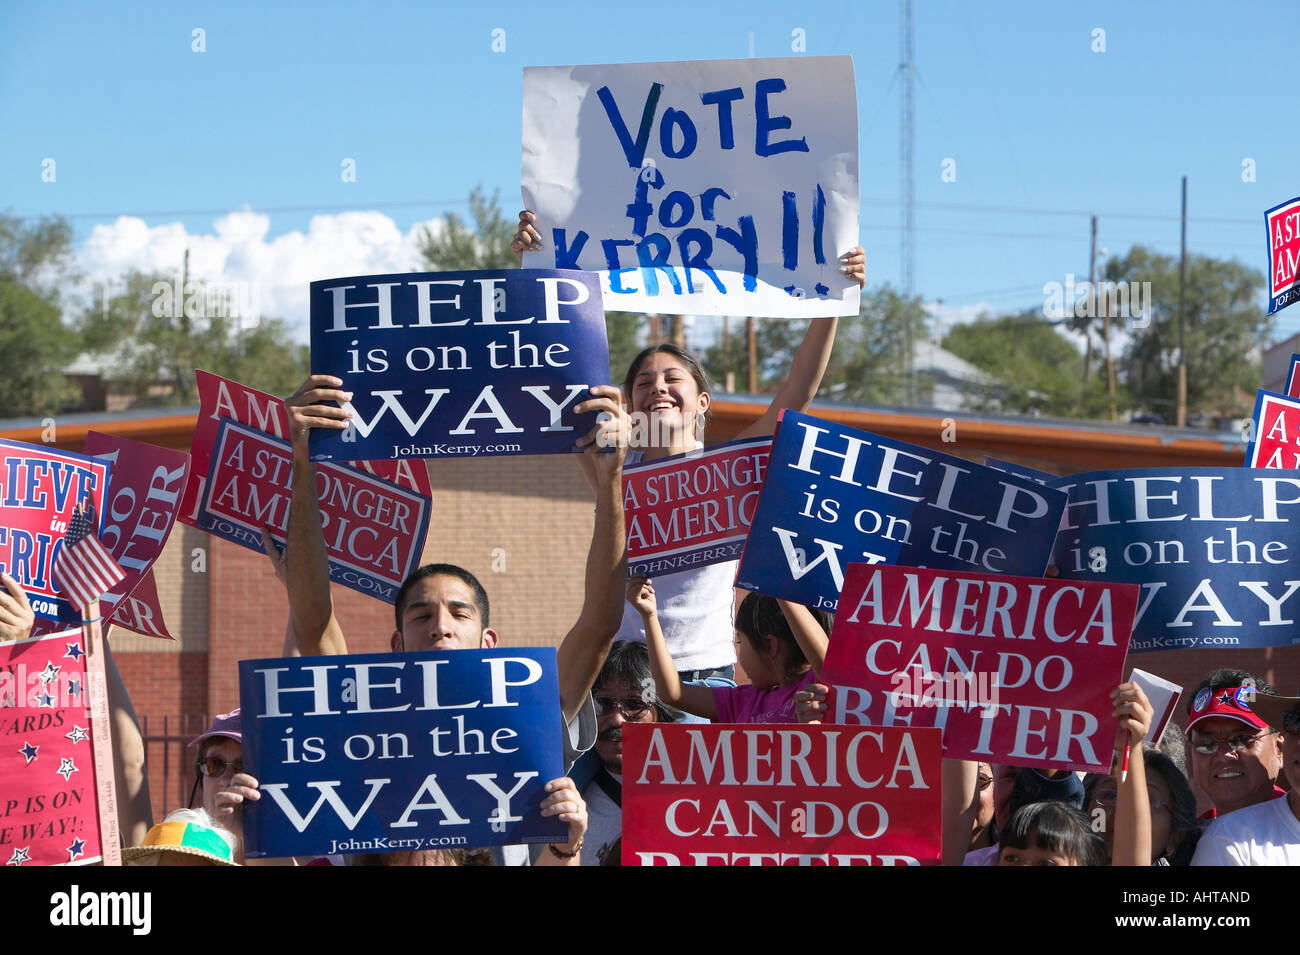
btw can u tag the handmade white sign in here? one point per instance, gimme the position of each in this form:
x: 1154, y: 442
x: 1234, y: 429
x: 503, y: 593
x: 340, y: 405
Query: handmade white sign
x: 719, y: 187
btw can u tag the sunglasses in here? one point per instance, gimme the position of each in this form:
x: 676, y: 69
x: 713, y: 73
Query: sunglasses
x: 632, y: 709
x: 216, y: 768
x: 1209, y: 745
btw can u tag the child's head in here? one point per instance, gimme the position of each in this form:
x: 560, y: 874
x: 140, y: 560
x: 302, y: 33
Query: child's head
x: 1050, y: 833
x: 768, y: 652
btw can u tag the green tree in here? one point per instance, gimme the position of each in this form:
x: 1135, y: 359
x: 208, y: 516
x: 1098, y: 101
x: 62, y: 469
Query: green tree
x: 1037, y: 370
x: 34, y: 343
x: 154, y: 343
x: 458, y: 248
x: 867, y: 365
x: 623, y: 330
x: 1225, y: 327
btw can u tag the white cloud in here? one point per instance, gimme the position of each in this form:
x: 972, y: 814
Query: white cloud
x: 276, y: 271
x: 943, y: 317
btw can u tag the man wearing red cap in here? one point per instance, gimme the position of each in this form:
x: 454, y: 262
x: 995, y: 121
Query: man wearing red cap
x: 1267, y: 833
x: 1235, y: 754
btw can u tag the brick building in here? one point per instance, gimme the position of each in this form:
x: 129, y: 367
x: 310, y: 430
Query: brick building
x: 523, y: 524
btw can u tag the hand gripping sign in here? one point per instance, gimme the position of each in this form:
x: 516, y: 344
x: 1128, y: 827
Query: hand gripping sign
x: 1213, y: 549
x: 747, y: 794
x: 1013, y: 669
x: 400, y: 751
x: 459, y: 364
x: 719, y: 187
x: 834, y: 495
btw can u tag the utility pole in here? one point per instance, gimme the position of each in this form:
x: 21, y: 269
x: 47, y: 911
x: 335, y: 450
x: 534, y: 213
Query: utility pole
x: 753, y: 355
x: 677, y: 330
x: 1092, y: 279
x: 1182, y: 348
x: 907, y: 178
x: 729, y: 381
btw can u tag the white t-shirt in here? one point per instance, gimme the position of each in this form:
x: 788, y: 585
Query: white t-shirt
x: 695, y: 612
x: 604, y: 821
x: 1267, y: 833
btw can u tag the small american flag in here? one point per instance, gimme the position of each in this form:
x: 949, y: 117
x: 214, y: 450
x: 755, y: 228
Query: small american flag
x: 84, y: 570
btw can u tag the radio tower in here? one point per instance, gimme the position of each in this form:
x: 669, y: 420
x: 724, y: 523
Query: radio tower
x: 906, y: 177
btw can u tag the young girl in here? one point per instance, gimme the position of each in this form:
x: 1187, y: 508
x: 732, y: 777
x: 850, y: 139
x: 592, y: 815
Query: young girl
x: 782, y: 647
x: 1050, y: 833
x: 667, y: 390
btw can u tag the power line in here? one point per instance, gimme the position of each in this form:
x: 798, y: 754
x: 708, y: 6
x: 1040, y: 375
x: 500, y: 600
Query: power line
x: 158, y: 213
x: 1032, y: 211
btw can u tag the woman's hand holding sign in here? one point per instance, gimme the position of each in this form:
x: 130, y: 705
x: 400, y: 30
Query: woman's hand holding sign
x: 306, y: 410
x: 853, y: 264
x: 16, y: 617
x: 810, y: 704
x: 527, y: 238
x: 564, y: 800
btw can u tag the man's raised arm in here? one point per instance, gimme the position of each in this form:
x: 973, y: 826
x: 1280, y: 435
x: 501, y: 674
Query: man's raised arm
x: 585, y: 647
x: 307, y: 578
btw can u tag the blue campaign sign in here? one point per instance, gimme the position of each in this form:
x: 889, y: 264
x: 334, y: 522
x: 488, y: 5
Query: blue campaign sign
x: 1213, y: 550
x: 1020, y: 470
x: 400, y: 751
x: 835, y: 496
x: 459, y: 364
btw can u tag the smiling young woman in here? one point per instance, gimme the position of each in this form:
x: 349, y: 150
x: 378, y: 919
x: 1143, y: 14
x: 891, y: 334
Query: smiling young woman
x: 665, y: 401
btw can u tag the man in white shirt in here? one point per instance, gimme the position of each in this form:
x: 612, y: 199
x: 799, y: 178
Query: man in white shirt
x: 1267, y: 833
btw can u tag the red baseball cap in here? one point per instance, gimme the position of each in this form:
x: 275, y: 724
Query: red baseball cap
x: 1231, y: 702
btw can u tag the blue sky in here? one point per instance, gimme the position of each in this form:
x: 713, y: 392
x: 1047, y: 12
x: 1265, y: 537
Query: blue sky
x: 1042, y: 129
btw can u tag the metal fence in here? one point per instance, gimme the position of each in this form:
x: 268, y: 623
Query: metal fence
x: 170, y: 762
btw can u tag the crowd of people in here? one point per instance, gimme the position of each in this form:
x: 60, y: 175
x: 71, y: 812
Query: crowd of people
x: 665, y: 650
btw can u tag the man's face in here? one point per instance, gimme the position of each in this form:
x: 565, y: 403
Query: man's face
x: 440, y: 614
x: 610, y: 719
x: 1235, y: 780
x: 228, y: 751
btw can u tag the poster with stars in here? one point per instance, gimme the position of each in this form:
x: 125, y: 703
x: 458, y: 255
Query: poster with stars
x: 47, y: 776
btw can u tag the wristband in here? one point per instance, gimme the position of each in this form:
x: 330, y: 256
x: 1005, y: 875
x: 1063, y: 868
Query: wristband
x: 561, y: 854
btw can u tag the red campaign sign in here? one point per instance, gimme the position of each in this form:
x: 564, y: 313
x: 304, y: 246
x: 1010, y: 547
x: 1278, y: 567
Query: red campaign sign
x: 222, y: 398
x: 692, y: 509
x: 39, y: 487
x: 374, y: 530
x: 1277, y: 432
x: 1283, y: 223
x: 1292, y: 388
x: 144, y: 494
x: 142, y: 612
x: 718, y: 794
x: 47, y: 775
x: 1013, y: 669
